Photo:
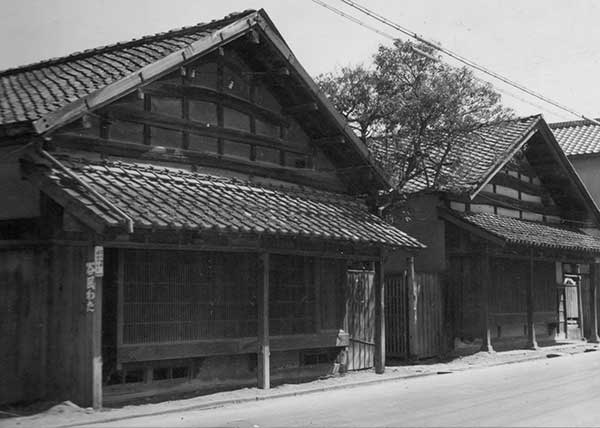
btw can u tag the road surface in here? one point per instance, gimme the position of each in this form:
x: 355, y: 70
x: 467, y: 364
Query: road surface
x: 561, y: 391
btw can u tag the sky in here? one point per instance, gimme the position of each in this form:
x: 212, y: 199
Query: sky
x: 549, y: 46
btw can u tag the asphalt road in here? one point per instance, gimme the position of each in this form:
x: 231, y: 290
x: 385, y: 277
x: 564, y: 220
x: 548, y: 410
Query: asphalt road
x: 561, y: 391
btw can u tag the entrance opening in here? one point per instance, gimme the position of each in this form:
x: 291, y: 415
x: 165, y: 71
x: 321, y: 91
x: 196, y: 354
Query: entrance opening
x: 569, y: 304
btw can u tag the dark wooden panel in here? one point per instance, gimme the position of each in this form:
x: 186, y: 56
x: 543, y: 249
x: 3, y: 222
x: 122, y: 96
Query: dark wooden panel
x: 23, y: 288
x: 430, y: 322
x: 70, y: 326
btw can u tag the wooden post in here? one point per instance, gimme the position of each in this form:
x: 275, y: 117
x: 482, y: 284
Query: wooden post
x: 594, y: 274
x: 263, y: 372
x: 580, y: 305
x: 413, y: 296
x: 531, y: 340
x: 486, y: 278
x: 379, y: 317
x: 120, y: 302
x: 94, y: 274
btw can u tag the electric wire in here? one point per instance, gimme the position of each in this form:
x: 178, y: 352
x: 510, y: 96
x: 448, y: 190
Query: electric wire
x: 464, y: 60
x: 389, y: 36
x: 353, y: 19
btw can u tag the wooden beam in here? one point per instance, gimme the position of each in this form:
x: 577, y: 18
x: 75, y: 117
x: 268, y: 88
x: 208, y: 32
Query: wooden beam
x: 130, y: 114
x: 518, y: 184
x: 531, y: 340
x: 413, y: 296
x: 594, y: 279
x: 486, y: 278
x: 379, y: 317
x: 504, y: 201
x: 264, y: 366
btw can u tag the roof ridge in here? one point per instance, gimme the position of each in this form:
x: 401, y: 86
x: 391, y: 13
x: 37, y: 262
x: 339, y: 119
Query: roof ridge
x: 510, y: 120
x: 125, y: 44
x: 572, y: 124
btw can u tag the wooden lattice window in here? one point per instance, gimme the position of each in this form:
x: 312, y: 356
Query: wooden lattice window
x: 171, y: 296
x: 292, y: 304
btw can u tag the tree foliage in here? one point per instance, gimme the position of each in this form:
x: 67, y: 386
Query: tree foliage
x: 412, y: 109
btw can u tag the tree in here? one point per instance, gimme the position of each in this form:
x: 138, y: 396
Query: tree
x: 412, y: 109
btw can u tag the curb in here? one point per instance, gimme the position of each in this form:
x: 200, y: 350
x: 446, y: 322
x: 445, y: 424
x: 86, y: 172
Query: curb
x: 355, y: 384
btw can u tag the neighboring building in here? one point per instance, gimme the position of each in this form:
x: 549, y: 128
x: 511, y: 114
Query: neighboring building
x: 183, y: 212
x: 506, y: 233
x: 580, y: 140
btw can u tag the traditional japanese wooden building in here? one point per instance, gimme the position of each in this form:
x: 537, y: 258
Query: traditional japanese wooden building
x: 506, y: 237
x: 184, y: 211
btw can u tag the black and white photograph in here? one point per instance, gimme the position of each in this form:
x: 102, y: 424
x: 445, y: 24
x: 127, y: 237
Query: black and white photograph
x: 294, y: 213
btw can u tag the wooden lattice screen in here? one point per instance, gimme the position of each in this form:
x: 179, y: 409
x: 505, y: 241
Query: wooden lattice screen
x: 173, y: 296
x: 292, y: 303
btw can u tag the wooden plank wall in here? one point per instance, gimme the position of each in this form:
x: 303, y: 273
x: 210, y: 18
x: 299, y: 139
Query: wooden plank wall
x: 430, y: 321
x: 69, y: 361
x: 431, y: 336
x: 23, y: 287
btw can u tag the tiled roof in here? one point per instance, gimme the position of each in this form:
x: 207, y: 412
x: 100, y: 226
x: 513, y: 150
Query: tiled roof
x: 478, y: 153
x: 515, y: 231
x: 27, y: 93
x: 170, y: 198
x: 578, y: 137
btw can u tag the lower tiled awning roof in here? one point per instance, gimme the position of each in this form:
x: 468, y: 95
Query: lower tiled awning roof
x: 175, y: 199
x: 521, y: 232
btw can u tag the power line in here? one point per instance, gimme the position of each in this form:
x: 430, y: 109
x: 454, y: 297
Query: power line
x: 464, y: 60
x: 420, y: 52
x: 353, y: 19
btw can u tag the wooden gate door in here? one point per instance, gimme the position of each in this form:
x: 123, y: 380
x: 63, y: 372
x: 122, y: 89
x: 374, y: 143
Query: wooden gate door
x: 360, y: 319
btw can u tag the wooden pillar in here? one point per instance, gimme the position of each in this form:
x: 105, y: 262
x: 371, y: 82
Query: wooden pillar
x: 413, y: 296
x: 531, y: 340
x: 317, y: 286
x: 93, y: 295
x: 594, y: 278
x: 120, y: 302
x: 486, y: 279
x: 264, y: 366
x: 379, y: 317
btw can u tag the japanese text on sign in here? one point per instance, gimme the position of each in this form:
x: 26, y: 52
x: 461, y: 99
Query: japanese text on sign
x: 90, y: 286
